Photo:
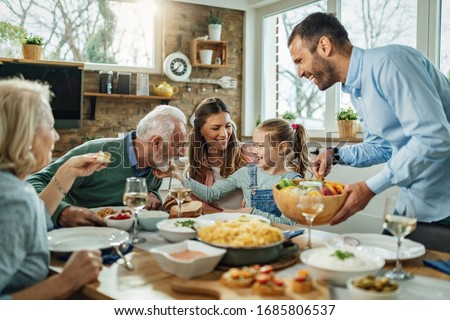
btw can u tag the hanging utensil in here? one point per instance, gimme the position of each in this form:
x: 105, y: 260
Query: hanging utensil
x: 225, y: 82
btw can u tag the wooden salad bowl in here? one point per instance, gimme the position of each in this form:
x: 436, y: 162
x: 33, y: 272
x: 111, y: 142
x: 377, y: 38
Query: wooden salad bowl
x: 286, y: 201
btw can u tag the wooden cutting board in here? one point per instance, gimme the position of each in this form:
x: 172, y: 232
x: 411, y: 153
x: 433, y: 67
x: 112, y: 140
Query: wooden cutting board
x: 211, y: 286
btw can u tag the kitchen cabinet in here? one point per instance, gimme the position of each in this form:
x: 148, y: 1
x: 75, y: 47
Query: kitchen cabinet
x: 220, y: 53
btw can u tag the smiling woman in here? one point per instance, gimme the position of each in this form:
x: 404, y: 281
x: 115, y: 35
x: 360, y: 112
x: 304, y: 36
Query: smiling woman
x: 107, y: 35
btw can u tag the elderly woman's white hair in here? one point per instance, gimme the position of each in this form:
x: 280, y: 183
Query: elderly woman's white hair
x: 160, y: 121
x: 24, y: 108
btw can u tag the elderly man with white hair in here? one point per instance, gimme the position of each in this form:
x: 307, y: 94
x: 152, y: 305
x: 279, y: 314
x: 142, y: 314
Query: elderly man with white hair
x: 160, y: 136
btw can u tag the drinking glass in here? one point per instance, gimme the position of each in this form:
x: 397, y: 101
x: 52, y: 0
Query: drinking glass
x: 180, y: 194
x: 400, y: 220
x: 310, y: 203
x: 134, y: 197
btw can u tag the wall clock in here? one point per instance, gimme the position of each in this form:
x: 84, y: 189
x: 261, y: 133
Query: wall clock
x: 177, y: 67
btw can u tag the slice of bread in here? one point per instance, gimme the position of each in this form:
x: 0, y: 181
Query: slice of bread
x: 171, y: 201
x: 238, y: 278
x: 268, y: 289
x: 188, y: 210
x: 103, y: 156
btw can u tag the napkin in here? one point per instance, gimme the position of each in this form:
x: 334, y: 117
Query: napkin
x: 443, y: 266
x: 109, y: 257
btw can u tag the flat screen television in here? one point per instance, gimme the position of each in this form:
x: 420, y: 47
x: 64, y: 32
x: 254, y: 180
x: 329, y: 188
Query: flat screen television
x: 66, y: 83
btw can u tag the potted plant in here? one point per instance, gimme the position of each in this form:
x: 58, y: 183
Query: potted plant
x: 347, y: 122
x: 214, y: 26
x: 289, y: 116
x: 32, y: 47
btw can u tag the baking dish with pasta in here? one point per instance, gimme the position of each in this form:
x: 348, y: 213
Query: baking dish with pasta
x: 247, y: 241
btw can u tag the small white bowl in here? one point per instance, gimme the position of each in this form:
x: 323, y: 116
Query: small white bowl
x: 323, y: 265
x: 172, y: 231
x: 149, y: 218
x: 123, y: 224
x: 188, y: 268
x: 364, y: 294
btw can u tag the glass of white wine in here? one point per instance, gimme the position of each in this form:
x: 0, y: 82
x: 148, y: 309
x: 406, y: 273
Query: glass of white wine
x: 134, y: 197
x: 400, y: 220
x: 180, y: 194
x: 310, y: 203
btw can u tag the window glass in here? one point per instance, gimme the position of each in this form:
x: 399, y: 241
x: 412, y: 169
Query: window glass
x: 112, y: 32
x: 375, y: 23
x: 299, y: 97
x: 445, y: 36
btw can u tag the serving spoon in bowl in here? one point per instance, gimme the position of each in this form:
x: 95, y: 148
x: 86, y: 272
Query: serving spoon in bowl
x: 351, y: 241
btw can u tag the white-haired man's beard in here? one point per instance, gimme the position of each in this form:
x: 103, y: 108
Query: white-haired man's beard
x: 162, y: 160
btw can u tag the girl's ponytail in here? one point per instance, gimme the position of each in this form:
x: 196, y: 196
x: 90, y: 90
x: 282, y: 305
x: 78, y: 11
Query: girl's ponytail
x: 300, y: 160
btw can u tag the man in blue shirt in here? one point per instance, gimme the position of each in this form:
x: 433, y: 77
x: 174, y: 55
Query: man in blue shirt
x: 404, y: 107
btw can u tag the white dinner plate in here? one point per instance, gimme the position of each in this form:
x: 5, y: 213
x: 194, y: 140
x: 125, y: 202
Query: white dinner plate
x: 84, y: 238
x: 226, y: 216
x: 386, y: 246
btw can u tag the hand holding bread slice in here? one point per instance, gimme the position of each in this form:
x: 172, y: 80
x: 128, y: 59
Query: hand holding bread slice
x: 103, y: 156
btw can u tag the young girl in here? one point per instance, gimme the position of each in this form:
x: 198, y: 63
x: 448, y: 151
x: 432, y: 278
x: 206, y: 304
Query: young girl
x: 282, y: 153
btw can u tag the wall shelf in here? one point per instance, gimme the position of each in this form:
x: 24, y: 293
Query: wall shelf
x: 93, y: 99
x: 219, y: 48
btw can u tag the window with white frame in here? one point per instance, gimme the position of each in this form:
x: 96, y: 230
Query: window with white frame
x: 103, y: 34
x: 376, y: 23
x: 292, y: 96
x: 370, y: 23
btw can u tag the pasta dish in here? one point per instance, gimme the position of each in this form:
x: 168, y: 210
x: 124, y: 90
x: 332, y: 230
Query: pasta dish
x: 241, y: 233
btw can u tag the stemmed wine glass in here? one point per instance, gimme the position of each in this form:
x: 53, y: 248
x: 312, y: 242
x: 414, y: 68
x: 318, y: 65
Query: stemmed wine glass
x: 400, y: 220
x: 180, y: 193
x: 310, y: 203
x: 134, y: 197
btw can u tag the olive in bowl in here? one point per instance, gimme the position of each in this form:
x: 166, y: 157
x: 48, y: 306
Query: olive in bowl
x: 373, y: 288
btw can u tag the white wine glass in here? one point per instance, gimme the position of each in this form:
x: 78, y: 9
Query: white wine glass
x: 135, y: 197
x: 180, y: 194
x: 400, y: 220
x: 310, y: 203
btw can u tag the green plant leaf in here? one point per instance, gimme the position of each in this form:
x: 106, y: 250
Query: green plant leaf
x: 214, y: 19
x: 11, y: 32
x: 30, y: 39
x: 347, y: 114
x: 288, y: 115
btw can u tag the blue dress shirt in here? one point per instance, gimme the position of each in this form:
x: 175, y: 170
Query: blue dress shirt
x: 404, y: 107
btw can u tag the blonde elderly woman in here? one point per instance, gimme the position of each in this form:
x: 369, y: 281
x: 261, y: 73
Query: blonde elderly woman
x: 26, y: 142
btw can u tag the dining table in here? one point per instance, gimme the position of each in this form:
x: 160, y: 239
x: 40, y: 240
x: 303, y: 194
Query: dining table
x: 148, y: 281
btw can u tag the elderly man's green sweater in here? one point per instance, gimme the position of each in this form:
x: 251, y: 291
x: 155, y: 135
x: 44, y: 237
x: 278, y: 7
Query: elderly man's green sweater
x: 102, y: 188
